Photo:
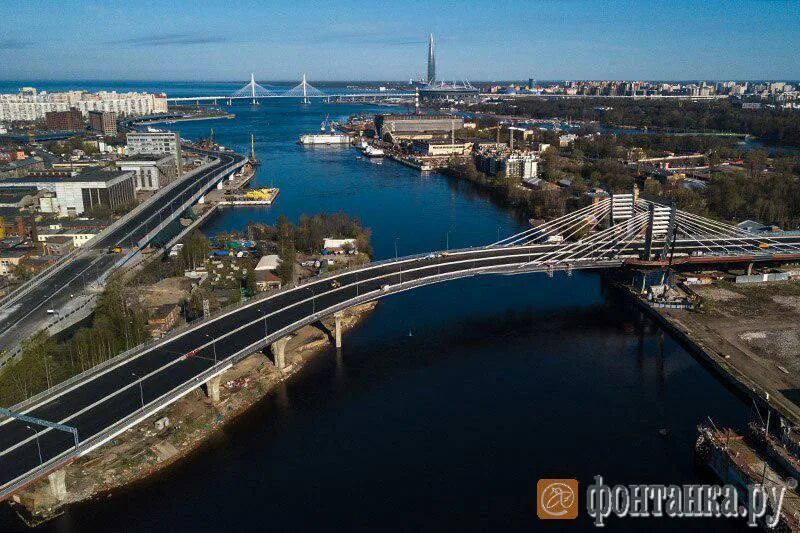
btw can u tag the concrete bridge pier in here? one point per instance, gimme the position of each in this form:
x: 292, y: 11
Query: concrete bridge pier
x: 278, y: 352
x: 58, y: 484
x: 212, y: 389
x: 337, y: 318
x: 749, y: 269
x: 202, y: 199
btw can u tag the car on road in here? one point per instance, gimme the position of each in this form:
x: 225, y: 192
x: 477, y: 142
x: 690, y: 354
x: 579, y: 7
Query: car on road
x: 335, y: 284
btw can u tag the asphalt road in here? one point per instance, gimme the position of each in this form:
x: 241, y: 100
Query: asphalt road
x: 93, y: 261
x: 107, y: 397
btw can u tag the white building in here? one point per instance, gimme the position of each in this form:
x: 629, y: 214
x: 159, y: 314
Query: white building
x: 73, y: 195
x: 79, y: 236
x: 151, y: 172
x: 156, y: 142
x: 30, y: 105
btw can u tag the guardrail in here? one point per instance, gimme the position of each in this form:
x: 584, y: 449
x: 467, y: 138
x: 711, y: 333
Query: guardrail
x: 181, y: 389
x: 195, y: 324
x: 21, y: 290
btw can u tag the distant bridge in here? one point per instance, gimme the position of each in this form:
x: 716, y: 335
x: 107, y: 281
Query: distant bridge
x: 303, y: 91
x: 88, y: 410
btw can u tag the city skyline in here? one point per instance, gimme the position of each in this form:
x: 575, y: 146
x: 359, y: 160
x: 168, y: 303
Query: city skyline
x: 678, y: 40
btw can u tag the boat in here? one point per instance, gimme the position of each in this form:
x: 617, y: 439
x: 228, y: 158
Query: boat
x: 371, y: 152
x: 324, y: 138
x: 327, y: 135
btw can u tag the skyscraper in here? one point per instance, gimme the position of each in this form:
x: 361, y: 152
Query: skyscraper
x: 431, y: 61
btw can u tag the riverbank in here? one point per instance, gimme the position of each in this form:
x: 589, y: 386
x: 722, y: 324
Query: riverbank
x: 174, y: 433
x: 743, y: 350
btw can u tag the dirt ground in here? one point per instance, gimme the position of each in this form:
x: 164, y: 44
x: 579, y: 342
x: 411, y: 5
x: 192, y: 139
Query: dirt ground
x: 169, y: 435
x: 755, y: 329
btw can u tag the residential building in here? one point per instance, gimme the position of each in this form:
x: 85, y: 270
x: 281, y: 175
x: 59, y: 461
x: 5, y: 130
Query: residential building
x: 151, y: 172
x: 104, y: 122
x: 57, y: 245
x: 20, y: 167
x: 264, y: 273
x: 77, y: 236
x: 521, y: 165
x: 266, y: 280
x: 9, y: 259
x: 71, y: 120
x: 156, y: 142
x: 30, y: 105
x: 82, y: 192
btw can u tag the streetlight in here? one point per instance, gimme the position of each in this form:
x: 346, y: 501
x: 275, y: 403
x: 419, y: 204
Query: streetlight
x: 213, y: 346
x: 265, y: 322
x: 141, y: 391
x: 38, y: 446
x: 313, y: 300
x: 395, y: 247
x: 447, y: 247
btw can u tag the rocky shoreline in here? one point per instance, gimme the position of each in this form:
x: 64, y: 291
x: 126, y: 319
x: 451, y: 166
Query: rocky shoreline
x: 174, y: 433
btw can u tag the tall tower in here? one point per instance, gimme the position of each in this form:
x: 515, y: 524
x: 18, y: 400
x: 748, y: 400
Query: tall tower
x: 431, y: 61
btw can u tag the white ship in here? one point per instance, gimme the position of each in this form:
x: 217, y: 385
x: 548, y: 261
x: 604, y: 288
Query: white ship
x: 325, y: 137
x: 371, y: 151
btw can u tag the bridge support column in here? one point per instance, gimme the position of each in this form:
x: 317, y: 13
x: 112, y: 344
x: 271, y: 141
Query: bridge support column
x: 749, y: 269
x: 202, y: 199
x: 337, y: 318
x: 212, y: 387
x: 58, y: 484
x: 278, y: 352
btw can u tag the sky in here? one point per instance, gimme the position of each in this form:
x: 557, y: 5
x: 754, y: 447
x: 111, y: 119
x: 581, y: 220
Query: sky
x: 477, y: 40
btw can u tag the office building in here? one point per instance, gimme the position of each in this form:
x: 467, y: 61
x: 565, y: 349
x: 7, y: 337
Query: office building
x: 74, y: 195
x: 151, y: 172
x: 154, y: 143
x: 104, y: 122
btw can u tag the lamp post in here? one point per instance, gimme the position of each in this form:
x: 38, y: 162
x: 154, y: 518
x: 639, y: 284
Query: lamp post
x: 38, y: 446
x: 313, y: 300
x: 265, y: 323
x: 213, y: 346
x: 141, y: 391
x: 447, y: 245
x: 395, y: 247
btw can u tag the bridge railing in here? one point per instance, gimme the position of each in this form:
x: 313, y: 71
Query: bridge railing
x: 183, y: 388
x: 183, y: 328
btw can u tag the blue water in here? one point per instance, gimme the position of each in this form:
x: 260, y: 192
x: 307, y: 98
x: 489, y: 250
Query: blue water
x: 449, y: 402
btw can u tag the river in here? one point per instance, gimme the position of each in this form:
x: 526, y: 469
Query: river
x: 449, y: 402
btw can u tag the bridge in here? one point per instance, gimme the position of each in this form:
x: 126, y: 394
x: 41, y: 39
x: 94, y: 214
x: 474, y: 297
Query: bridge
x: 304, y: 92
x: 50, y: 429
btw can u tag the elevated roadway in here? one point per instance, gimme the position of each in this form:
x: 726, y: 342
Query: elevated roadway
x: 26, y: 310
x: 107, y: 399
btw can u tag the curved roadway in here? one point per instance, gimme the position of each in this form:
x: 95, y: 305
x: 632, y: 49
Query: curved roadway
x: 106, y: 400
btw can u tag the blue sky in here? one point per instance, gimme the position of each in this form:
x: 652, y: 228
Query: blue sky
x: 371, y: 40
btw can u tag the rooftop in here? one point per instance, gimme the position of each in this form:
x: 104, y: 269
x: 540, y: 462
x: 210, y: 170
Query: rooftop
x: 93, y: 176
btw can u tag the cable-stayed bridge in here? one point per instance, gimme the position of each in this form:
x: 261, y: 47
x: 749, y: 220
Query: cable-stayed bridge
x: 86, y: 411
x: 303, y: 91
